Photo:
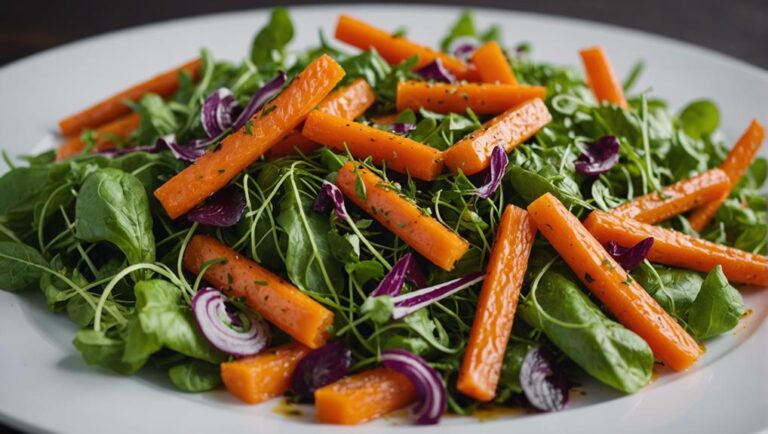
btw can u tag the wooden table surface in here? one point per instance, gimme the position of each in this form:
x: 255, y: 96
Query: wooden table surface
x: 738, y: 28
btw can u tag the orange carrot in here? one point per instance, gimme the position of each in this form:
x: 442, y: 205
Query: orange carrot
x: 482, y: 98
x: 264, y: 376
x: 491, y: 64
x: 607, y: 280
x: 601, y: 78
x: 736, y: 163
x: 472, y: 154
x: 349, y: 102
x: 363, y: 397
x: 394, y: 49
x: 679, y: 250
x: 425, y: 234
x: 113, y: 107
x: 399, y: 153
x: 104, y: 139
x: 385, y: 119
x: 495, y: 312
x: 676, y: 198
x: 276, y: 300
x: 237, y: 151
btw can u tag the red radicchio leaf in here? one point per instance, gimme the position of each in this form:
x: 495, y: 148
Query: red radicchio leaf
x: 330, y: 196
x: 545, y: 387
x: 223, y: 209
x: 437, y: 72
x: 495, y: 173
x: 629, y: 258
x: 599, y: 157
x: 320, y: 367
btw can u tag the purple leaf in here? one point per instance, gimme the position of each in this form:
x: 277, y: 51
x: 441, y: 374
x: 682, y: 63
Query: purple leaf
x: 406, y: 304
x: 320, y: 367
x: 629, y: 258
x: 393, y: 281
x: 403, y: 128
x: 223, y: 209
x: 599, y: 157
x: 492, y: 180
x: 545, y: 388
x: 429, y: 387
x: 437, y: 72
x: 330, y: 196
x: 258, y: 99
x: 463, y: 47
x: 189, y: 151
x: 218, y: 112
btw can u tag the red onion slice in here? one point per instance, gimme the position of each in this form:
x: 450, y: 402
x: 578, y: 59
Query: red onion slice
x: 223, y: 209
x: 545, y: 388
x: 492, y: 180
x: 406, y: 304
x: 258, y: 99
x: 393, y: 281
x: 218, y: 112
x: 428, y: 384
x: 436, y: 71
x: 599, y: 157
x: 239, y: 334
x: 330, y: 196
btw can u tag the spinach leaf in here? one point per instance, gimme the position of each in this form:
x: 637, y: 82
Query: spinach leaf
x: 268, y: 46
x: 101, y: 349
x: 602, y: 347
x: 157, y: 118
x: 112, y: 206
x: 699, y: 118
x: 138, y: 345
x: 158, y: 305
x: 531, y: 185
x: 463, y: 27
x: 20, y: 187
x: 718, y: 307
x: 674, y: 289
x: 19, y: 266
x: 195, y: 376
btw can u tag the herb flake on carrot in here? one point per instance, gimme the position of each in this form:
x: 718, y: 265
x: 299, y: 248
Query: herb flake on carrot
x: 240, y: 149
x: 264, y: 376
x: 482, y: 98
x: 679, y: 250
x: 277, y: 300
x: 491, y: 64
x: 610, y: 283
x: 472, y: 154
x: 601, y: 78
x: 423, y: 233
x: 495, y: 312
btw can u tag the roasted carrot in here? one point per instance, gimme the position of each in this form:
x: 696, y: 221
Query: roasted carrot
x: 264, y: 376
x: 394, y: 49
x: 495, y: 312
x: 399, y: 153
x: 385, y: 119
x: 114, y: 107
x: 105, y: 135
x: 482, y: 98
x: 363, y: 397
x: 736, y: 163
x: 425, y: 234
x: 277, y: 300
x: 348, y: 102
x: 472, y: 154
x: 601, y: 77
x: 237, y: 151
x: 491, y: 64
x: 677, y: 198
x: 610, y: 283
x: 679, y: 250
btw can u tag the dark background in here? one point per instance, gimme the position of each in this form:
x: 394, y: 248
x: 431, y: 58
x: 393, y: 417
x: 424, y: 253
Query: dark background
x: 737, y: 28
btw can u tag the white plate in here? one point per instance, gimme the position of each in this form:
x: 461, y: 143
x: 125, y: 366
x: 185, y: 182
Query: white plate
x: 45, y: 386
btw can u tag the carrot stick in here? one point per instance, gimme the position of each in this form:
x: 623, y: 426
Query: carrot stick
x: 237, y: 151
x: 363, y: 397
x: 679, y: 250
x: 425, y: 234
x: 113, y: 107
x: 385, y: 119
x: 480, y: 369
x: 105, y: 134
x: 349, y: 102
x: 399, y: 153
x: 264, y: 376
x: 621, y: 294
x: 472, y: 154
x: 482, y: 98
x: 676, y: 198
x: 736, y: 163
x: 394, y: 49
x: 275, y: 299
x: 491, y: 64
x: 601, y: 78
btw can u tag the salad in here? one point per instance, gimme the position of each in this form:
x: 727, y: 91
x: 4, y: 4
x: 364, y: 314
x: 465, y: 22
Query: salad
x: 391, y: 225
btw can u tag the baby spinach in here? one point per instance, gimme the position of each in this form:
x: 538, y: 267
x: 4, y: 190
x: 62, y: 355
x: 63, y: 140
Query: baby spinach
x: 269, y: 44
x: 700, y: 117
x: 602, y: 347
x: 20, y: 266
x: 101, y: 348
x: 717, y: 308
x: 195, y: 376
x: 674, y: 289
x: 112, y: 206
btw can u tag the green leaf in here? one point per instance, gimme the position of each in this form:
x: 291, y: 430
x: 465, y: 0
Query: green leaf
x: 718, y: 307
x: 268, y: 46
x: 463, y: 27
x: 602, y: 347
x: 99, y: 349
x: 673, y: 288
x: 700, y: 117
x: 79, y: 311
x: 158, y: 304
x: 20, y: 187
x: 365, y: 271
x: 112, y: 206
x: 509, y: 379
x: 531, y: 185
x: 195, y: 376
x: 157, y: 118
x: 139, y: 346
x: 19, y: 266
x: 379, y: 308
